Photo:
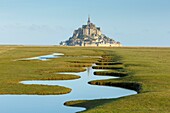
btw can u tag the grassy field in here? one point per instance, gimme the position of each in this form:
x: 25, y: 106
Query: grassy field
x: 13, y: 71
x: 147, y: 66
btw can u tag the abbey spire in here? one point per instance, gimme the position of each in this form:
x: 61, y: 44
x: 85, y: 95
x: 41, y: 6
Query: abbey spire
x: 88, y: 22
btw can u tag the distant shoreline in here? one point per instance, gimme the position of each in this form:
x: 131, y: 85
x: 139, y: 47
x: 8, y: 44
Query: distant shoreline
x: 85, y: 47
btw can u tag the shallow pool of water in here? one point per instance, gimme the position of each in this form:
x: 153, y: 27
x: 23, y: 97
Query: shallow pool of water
x: 81, y: 90
x: 45, y: 57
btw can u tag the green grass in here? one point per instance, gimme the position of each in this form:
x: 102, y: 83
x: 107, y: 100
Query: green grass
x: 13, y: 71
x: 146, y: 66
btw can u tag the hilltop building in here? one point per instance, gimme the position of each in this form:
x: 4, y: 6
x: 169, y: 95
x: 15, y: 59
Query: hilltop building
x: 89, y: 35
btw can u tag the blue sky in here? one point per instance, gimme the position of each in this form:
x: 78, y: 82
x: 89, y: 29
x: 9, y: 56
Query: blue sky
x: 47, y: 22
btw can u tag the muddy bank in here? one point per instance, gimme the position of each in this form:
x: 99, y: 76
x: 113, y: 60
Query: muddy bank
x: 107, y: 67
x: 115, y: 68
x: 110, y: 73
x: 108, y: 63
x: 128, y: 85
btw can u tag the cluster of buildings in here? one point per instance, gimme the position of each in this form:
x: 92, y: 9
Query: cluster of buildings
x: 90, y: 35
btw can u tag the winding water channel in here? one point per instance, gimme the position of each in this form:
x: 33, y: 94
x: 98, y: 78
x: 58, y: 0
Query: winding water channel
x: 81, y: 90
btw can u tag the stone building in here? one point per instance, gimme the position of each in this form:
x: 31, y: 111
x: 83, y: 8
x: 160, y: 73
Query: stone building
x: 89, y: 35
x: 90, y: 29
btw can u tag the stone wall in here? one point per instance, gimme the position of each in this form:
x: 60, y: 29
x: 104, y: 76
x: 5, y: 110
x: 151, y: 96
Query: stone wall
x: 101, y: 45
x: 90, y: 31
x: 109, y: 45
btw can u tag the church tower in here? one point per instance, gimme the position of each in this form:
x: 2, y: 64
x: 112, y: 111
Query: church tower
x: 88, y: 22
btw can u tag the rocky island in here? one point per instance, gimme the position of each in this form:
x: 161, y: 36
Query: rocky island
x: 90, y: 35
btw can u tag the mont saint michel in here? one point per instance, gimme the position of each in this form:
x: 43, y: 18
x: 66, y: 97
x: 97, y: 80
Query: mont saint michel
x: 90, y: 35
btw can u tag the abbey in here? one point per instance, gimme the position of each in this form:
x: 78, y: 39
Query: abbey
x: 89, y: 35
x: 90, y: 29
